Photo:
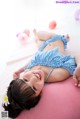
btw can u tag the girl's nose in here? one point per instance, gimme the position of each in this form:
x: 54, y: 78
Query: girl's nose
x: 31, y: 81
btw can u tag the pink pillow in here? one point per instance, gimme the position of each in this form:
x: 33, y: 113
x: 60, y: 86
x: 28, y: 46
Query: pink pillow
x: 59, y: 100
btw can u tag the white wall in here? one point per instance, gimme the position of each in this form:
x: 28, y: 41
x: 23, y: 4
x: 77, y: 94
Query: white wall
x: 31, y: 13
x: 6, y: 30
x: 16, y: 15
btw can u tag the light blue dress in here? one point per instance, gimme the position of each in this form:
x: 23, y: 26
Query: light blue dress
x: 53, y: 58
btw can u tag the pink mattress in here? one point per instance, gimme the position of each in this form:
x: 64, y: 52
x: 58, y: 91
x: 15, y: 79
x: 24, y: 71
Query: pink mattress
x: 59, y: 100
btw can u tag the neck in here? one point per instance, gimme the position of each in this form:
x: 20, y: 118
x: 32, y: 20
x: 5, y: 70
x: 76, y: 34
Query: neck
x: 47, y: 73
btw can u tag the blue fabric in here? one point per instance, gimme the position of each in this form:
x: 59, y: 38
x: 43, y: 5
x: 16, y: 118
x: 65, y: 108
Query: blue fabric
x: 55, y: 38
x: 53, y: 58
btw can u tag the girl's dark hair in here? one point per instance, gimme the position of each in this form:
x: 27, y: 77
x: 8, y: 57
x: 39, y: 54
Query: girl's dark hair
x: 20, y: 97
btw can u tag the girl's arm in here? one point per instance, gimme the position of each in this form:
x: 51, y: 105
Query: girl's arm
x: 76, y: 75
x: 77, y: 58
x: 17, y: 73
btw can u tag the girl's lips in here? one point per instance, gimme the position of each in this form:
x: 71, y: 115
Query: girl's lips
x: 38, y: 74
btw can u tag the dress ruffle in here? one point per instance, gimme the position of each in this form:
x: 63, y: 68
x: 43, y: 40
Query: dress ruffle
x: 53, y: 58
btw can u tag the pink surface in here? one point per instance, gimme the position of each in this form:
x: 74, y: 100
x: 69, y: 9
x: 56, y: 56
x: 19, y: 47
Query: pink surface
x: 59, y: 100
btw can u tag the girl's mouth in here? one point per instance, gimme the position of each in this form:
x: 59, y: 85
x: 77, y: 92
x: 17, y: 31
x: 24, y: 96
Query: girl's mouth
x: 38, y: 75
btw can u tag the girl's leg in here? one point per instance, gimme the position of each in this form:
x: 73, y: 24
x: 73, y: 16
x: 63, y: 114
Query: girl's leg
x: 36, y: 38
x: 42, y: 36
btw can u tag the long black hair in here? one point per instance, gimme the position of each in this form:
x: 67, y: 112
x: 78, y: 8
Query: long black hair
x: 20, y: 97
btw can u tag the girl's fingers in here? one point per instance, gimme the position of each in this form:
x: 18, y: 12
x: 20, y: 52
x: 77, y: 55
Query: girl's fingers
x: 79, y: 82
x: 76, y: 80
x: 79, y: 85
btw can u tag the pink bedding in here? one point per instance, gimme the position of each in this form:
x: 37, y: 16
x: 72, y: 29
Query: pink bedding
x: 59, y: 100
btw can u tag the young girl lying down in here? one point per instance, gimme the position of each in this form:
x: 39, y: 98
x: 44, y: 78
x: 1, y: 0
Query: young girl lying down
x: 49, y: 64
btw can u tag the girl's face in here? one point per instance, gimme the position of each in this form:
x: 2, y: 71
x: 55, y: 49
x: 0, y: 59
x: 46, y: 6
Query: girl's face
x: 35, y: 79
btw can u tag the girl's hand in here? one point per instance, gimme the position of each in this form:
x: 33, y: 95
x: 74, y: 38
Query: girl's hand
x: 76, y: 76
x: 16, y: 75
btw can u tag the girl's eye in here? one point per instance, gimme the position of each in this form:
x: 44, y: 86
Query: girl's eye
x: 25, y: 80
x: 34, y: 88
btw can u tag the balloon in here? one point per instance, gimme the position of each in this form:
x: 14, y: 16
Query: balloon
x: 52, y: 25
x: 27, y: 32
x: 23, y: 36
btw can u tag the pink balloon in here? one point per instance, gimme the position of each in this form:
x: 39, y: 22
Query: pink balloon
x: 22, y: 37
x: 27, y: 32
x: 52, y: 24
x: 77, y: 15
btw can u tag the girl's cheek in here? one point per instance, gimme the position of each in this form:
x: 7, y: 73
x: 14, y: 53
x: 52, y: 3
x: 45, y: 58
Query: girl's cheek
x: 39, y: 86
x: 27, y: 74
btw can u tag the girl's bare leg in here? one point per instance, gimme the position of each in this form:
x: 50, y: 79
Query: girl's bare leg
x: 36, y: 38
x: 43, y: 36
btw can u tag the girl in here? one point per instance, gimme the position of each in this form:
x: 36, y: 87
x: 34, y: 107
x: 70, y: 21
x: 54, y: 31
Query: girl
x: 49, y: 64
